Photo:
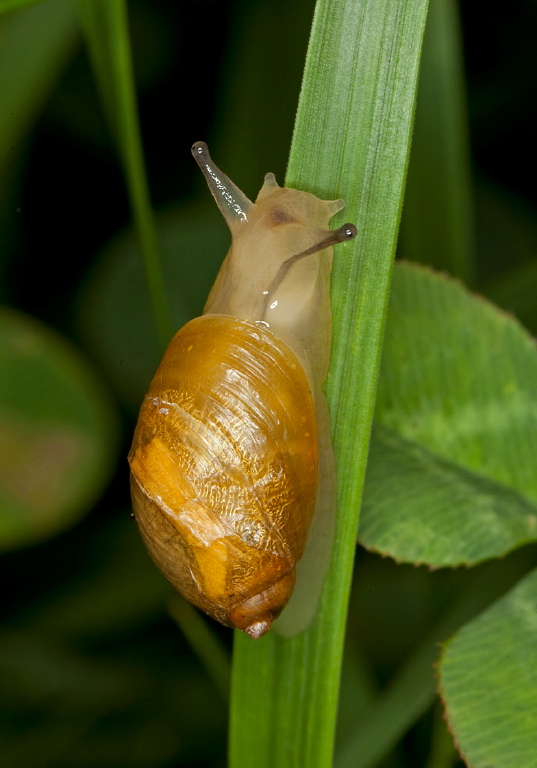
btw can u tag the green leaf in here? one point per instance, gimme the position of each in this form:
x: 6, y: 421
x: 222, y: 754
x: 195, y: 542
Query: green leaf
x: 57, y: 433
x: 352, y: 140
x: 488, y: 680
x: 106, y: 29
x: 451, y: 477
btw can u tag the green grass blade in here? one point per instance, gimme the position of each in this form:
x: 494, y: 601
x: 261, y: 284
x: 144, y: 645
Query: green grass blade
x: 105, y: 26
x: 437, y: 224
x: 352, y: 139
x: 443, y: 753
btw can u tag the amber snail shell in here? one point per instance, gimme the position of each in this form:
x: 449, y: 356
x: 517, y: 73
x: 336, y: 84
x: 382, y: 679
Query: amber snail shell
x: 226, y: 461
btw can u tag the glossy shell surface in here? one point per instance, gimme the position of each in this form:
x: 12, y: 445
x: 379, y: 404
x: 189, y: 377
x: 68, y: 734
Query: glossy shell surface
x: 224, y: 469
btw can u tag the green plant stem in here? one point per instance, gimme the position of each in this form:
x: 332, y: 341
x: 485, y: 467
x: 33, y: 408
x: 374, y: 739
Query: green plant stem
x: 105, y: 25
x: 443, y: 753
x: 352, y: 138
x: 204, y: 642
x: 394, y: 711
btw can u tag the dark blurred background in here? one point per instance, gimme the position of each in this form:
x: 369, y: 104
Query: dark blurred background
x: 94, y: 672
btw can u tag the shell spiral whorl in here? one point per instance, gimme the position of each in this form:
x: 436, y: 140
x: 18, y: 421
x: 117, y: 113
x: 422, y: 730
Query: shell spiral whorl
x: 222, y: 467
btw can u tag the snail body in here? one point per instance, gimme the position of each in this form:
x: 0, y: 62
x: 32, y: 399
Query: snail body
x: 231, y: 458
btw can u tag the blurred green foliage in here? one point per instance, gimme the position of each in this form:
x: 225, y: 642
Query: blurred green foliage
x: 93, y: 672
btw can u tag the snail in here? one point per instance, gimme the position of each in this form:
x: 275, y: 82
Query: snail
x: 231, y: 458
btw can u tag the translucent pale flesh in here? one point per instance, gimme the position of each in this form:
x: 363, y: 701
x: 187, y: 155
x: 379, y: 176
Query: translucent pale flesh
x: 224, y: 468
